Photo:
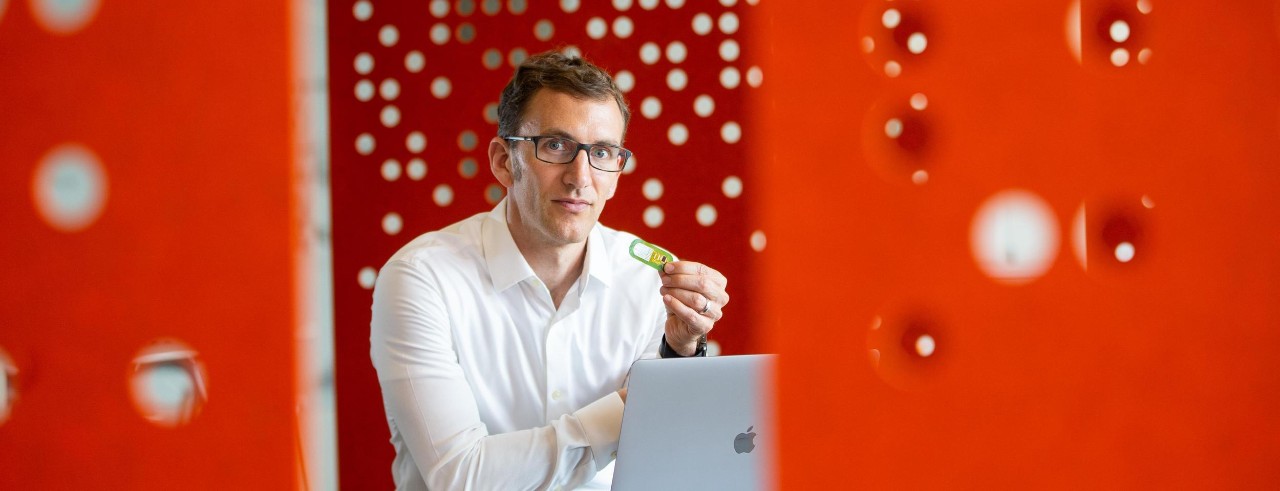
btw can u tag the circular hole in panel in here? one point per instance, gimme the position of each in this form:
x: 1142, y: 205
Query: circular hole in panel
x: 367, y: 277
x: 467, y: 168
x: 439, y: 8
x: 390, y: 89
x: 755, y: 76
x: 650, y: 53
x: 650, y: 107
x: 1125, y: 252
x: 677, y: 79
x: 416, y: 142
x: 730, y: 77
x: 391, y: 170
x: 517, y: 6
x: 388, y: 35
x: 364, y: 90
x: 571, y: 51
x: 570, y: 6
x: 893, y: 128
x: 728, y: 23
x: 390, y: 116
x: 919, y: 102
x: 892, y: 69
x: 69, y: 187
x: 439, y: 34
x: 652, y: 189
x: 466, y: 33
x: 677, y: 52
x: 517, y: 56
x: 653, y: 216
x: 1119, y: 31
x: 1144, y: 6
x: 1014, y: 237
x: 492, y: 59
x: 622, y: 5
x: 443, y: 195
x: 925, y: 345
x: 1122, y: 236
x: 868, y: 44
x: 167, y: 382
x: 757, y: 241
x: 596, y: 28
x: 493, y: 194
x: 467, y: 140
x: 678, y: 134
x: 362, y: 10
x: 491, y: 7
x: 706, y: 215
x: 917, y: 42
x: 414, y: 61
x: 731, y: 132
x: 543, y: 30
x: 441, y: 87
x: 908, y: 349
x: 392, y: 223
x: 466, y: 7
x: 625, y: 81
x: 675, y: 4
x: 630, y: 166
x: 491, y: 113
x: 8, y: 376
x: 365, y: 144
x: 1144, y: 56
x: 729, y: 50
x: 890, y: 18
x: 649, y: 4
x: 416, y: 169
x: 702, y: 24
x: 920, y: 177
x: 704, y: 105
x: 731, y: 187
x: 363, y: 63
x: 623, y: 27
x: 64, y: 17
x: 1119, y: 57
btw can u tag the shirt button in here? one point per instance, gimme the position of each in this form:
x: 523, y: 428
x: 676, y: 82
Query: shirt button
x: 555, y: 396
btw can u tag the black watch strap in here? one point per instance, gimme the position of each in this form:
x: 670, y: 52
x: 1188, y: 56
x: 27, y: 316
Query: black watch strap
x: 665, y: 351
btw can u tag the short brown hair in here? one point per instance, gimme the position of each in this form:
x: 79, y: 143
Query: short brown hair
x: 556, y: 71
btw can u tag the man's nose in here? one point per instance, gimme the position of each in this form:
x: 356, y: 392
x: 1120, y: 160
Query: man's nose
x: 579, y: 171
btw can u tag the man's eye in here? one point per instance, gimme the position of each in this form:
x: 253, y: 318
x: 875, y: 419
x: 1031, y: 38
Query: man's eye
x: 555, y: 144
x: 601, y: 152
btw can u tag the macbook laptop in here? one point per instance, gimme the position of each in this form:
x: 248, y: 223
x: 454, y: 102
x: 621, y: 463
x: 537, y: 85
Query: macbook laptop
x: 698, y: 423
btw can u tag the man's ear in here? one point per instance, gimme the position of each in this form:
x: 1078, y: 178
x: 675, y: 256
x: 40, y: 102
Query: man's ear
x: 500, y: 162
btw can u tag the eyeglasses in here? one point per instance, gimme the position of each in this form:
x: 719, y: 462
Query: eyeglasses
x: 560, y: 150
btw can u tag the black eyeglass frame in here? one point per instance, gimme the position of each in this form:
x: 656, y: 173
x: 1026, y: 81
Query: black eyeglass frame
x: 624, y: 155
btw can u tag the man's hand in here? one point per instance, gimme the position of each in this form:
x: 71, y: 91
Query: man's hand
x: 695, y: 297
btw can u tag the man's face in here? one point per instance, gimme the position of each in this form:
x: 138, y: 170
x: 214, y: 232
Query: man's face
x: 557, y: 204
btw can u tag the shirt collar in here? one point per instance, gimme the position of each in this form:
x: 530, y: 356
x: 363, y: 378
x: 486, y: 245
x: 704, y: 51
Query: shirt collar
x: 507, y: 266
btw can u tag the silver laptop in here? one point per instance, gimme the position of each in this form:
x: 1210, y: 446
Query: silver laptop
x: 698, y: 423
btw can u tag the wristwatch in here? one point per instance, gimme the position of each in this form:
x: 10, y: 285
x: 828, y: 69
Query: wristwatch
x: 665, y: 351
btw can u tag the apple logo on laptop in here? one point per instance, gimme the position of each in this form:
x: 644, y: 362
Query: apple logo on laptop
x: 745, y: 442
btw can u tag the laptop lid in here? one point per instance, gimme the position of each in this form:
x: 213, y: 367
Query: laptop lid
x: 698, y: 423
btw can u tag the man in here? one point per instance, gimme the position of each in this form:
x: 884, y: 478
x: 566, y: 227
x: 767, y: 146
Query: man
x: 502, y: 342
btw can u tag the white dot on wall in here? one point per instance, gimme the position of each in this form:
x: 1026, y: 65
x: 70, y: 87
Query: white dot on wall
x: 623, y: 27
x: 891, y: 18
x: 390, y: 89
x: 414, y: 61
x: 570, y: 6
x: 390, y: 116
x: 893, y: 128
x: 439, y: 8
x: 64, y: 17
x: 622, y: 5
x: 364, y: 90
x: 892, y: 69
x: 729, y: 50
x: 392, y: 223
x: 1144, y: 56
x: 1120, y: 57
x: 415, y: 142
x: 625, y: 81
x: 755, y: 76
x: 677, y: 79
x: 917, y: 42
x: 919, y: 101
x: 920, y: 177
x: 1014, y: 236
x: 677, y: 52
x: 1125, y: 252
x: 443, y: 195
x: 925, y: 345
x: 69, y: 187
x: 1119, y: 31
x: 391, y: 170
x: 731, y: 132
x: 439, y: 34
x: 648, y: 4
x: 653, y: 216
x: 868, y: 44
x: 728, y: 23
x: 678, y: 134
x: 362, y: 10
x: 388, y: 35
x: 1144, y: 6
x: 441, y: 87
x: 728, y: 3
x: 731, y: 187
x: 544, y: 30
x: 630, y: 166
x: 417, y: 169
x: 702, y: 24
x: 675, y: 4
x: 649, y: 53
x: 365, y: 144
x: 652, y: 189
x: 364, y: 63
x: 572, y: 51
x: 706, y: 215
x: 651, y: 107
x: 757, y: 241
x: 730, y: 77
x: 367, y: 277
x: 704, y: 105
x: 1147, y: 202
x: 596, y: 28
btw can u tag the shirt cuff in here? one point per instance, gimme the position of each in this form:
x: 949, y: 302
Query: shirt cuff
x: 602, y: 423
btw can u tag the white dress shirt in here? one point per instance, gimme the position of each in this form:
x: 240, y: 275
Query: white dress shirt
x: 486, y: 384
